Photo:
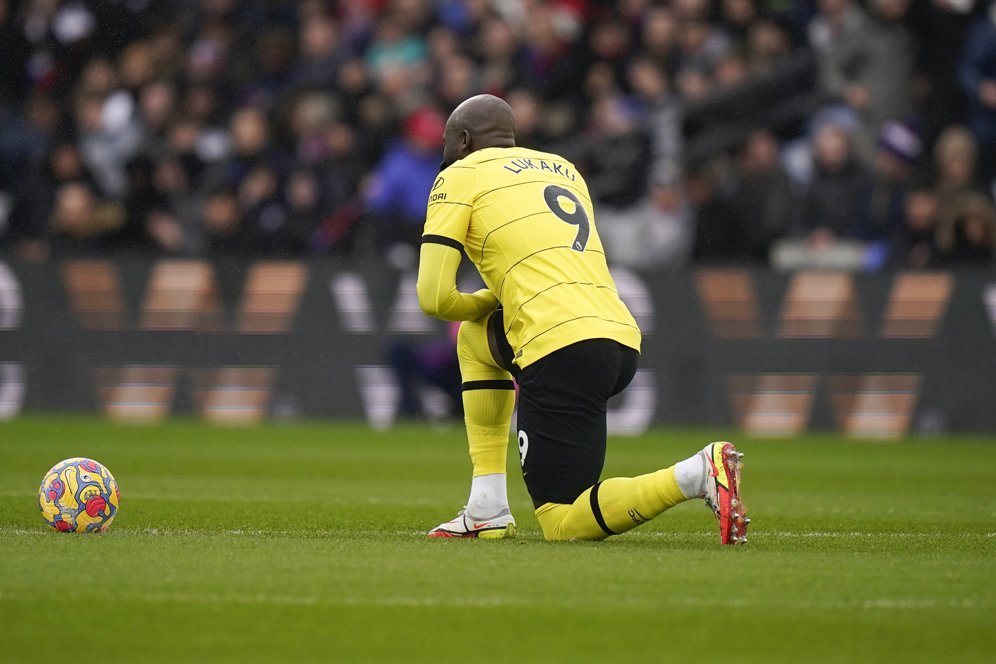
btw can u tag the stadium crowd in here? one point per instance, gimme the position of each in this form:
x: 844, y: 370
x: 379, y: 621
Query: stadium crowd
x: 277, y: 128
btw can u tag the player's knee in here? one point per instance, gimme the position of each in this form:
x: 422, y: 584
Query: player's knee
x: 468, y: 330
x: 551, y: 520
x: 471, y: 337
x: 552, y: 532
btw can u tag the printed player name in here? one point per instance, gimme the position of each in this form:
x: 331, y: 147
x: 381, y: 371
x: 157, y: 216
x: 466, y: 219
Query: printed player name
x: 519, y: 165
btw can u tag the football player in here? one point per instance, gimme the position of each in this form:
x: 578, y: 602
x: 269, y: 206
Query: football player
x: 550, y: 318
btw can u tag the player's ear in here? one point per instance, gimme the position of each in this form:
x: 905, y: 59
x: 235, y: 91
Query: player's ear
x: 465, y: 140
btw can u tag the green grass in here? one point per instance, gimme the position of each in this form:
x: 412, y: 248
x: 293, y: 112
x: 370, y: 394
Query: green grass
x: 306, y: 543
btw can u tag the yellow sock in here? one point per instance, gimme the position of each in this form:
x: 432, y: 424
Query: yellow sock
x: 611, y: 507
x: 488, y: 399
x: 487, y: 413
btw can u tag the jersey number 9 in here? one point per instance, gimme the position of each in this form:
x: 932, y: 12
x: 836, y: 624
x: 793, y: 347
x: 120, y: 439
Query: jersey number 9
x: 552, y: 195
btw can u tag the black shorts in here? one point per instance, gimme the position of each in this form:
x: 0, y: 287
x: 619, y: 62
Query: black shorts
x: 563, y: 399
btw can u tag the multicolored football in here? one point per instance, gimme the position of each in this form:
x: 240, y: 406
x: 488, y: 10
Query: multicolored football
x: 79, y: 496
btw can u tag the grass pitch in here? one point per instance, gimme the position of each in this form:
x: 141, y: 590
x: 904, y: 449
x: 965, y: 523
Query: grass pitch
x: 306, y: 543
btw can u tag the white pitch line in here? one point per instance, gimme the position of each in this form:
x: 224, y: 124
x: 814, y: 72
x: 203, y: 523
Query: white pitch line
x: 834, y: 534
x: 321, y: 534
x: 498, y: 601
x: 135, y: 533
x: 271, y: 498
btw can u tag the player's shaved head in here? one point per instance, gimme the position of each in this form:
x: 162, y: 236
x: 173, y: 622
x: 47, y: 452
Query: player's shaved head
x: 484, y: 116
x: 483, y: 121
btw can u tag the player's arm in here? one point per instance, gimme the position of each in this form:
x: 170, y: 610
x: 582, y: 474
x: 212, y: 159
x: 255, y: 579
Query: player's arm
x: 437, y: 291
x: 447, y: 219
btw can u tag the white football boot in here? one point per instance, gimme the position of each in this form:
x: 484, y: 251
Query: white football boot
x: 497, y: 526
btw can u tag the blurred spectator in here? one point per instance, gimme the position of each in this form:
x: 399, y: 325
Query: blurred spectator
x: 887, y: 76
x: 222, y: 218
x: 81, y: 221
x: 967, y: 232
x: 899, y: 148
x: 400, y: 184
x: 762, y: 200
x: 866, y: 62
x: 274, y: 67
x: 648, y: 82
x: 175, y: 226
x: 833, y: 202
x: 701, y: 45
x: 616, y: 162
x: 136, y: 66
x: 306, y: 209
x: 26, y: 139
x: 730, y: 71
x: 457, y: 81
x: 395, y: 50
x: 157, y: 102
x: 207, y: 57
x: 527, y: 108
x: 839, y: 34
x: 977, y: 74
x: 503, y: 65
x: 251, y: 145
x: 719, y: 233
x: 736, y: 17
x: 320, y: 52
x: 342, y: 165
x: 660, y: 38
x: 955, y: 157
x: 550, y: 32
x: 109, y: 137
x: 661, y: 110
x: 265, y: 223
x: 693, y: 83
x: 767, y: 45
x: 609, y: 46
x: 915, y: 244
x: 654, y: 234
x: 692, y: 10
x: 143, y: 205
x: 308, y: 117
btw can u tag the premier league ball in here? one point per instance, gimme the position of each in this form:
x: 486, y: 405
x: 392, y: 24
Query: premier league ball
x: 79, y: 495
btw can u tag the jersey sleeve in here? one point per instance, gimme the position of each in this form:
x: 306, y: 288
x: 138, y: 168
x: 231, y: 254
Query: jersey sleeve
x: 451, y: 200
x: 437, y: 291
x: 447, y: 219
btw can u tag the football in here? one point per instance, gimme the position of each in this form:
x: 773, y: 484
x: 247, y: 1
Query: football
x: 79, y: 495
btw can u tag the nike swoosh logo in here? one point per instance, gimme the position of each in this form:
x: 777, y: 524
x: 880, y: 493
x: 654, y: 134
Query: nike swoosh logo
x: 478, y: 526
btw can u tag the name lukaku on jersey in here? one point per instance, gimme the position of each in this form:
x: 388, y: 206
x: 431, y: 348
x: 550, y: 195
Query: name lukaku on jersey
x: 527, y: 164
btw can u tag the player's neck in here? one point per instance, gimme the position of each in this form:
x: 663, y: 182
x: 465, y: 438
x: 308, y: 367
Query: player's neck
x: 497, y: 142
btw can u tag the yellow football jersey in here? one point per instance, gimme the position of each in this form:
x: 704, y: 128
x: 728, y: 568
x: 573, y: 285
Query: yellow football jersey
x: 525, y: 219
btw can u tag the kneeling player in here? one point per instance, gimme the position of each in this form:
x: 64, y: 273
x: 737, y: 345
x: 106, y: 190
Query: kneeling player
x: 525, y: 220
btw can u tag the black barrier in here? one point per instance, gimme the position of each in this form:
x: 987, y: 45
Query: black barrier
x: 872, y: 355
